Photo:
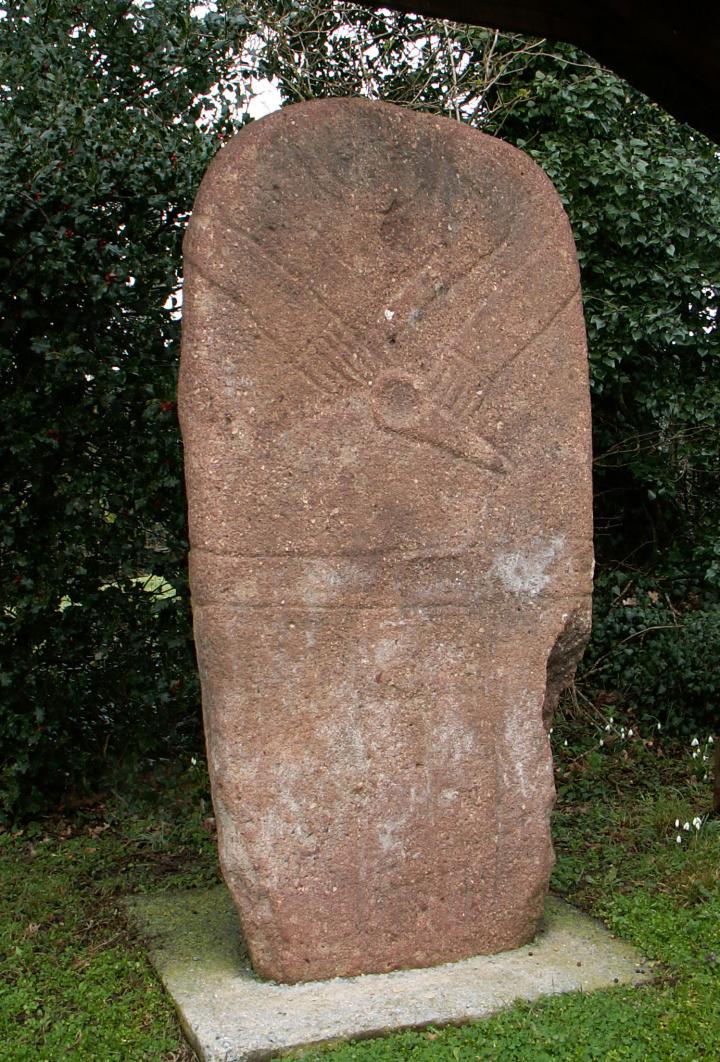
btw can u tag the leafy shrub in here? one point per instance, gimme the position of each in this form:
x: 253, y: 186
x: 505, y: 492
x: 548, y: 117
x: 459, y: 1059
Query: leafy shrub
x: 654, y: 660
x: 100, y: 157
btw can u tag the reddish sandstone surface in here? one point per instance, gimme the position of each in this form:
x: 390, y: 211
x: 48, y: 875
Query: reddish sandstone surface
x: 385, y: 413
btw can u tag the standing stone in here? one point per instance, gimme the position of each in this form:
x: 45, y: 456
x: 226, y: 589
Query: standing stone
x: 384, y: 404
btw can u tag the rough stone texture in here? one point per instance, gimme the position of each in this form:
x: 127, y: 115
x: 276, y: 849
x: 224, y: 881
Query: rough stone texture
x: 385, y: 412
x: 230, y: 1016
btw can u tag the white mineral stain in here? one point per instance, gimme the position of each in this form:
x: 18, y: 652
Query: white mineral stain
x: 321, y: 583
x: 287, y: 823
x: 523, y: 739
x: 326, y: 581
x: 353, y: 743
x: 384, y: 650
x: 525, y: 573
x: 386, y: 836
x: 347, y: 456
x: 452, y: 742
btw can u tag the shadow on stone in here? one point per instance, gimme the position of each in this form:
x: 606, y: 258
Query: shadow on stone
x: 230, y: 1015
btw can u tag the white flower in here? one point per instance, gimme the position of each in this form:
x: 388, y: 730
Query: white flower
x: 697, y: 822
x: 686, y: 825
x: 659, y: 727
x: 677, y: 824
x: 679, y: 839
x: 601, y: 742
x: 630, y: 733
x: 694, y: 743
x: 711, y: 739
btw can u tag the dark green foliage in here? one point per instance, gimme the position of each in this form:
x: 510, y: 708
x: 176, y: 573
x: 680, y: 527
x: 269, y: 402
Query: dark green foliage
x: 654, y: 661
x: 100, y: 158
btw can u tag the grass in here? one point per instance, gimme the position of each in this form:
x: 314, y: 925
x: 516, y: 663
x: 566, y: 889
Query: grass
x: 76, y: 984
x: 74, y: 981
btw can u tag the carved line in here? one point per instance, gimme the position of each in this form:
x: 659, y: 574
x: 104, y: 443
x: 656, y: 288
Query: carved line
x: 423, y: 276
x: 504, y: 366
x: 305, y: 372
x: 459, y: 395
x: 461, y: 282
x: 465, y: 280
x: 536, y: 192
x: 344, y: 369
x: 309, y: 371
x: 453, y: 390
x: 412, y: 558
x: 458, y: 337
x: 460, y: 606
x: 350, y: 371
x: 301, y: 286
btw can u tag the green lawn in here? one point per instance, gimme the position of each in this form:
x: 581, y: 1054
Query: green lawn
x: 75, y: 982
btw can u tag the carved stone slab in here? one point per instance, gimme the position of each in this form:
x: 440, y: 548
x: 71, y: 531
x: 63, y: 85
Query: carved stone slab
x: 385, y: 412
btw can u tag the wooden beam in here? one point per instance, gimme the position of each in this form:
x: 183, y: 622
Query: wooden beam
x: 671, y: 52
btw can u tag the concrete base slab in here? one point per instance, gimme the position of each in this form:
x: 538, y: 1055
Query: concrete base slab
x: 230, y: 1015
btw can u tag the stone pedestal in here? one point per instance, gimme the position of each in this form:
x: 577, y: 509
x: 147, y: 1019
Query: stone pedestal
x: 230, y: 1016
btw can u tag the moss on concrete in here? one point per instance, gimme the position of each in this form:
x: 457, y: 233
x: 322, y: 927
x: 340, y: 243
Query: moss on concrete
x: 230, y: 1014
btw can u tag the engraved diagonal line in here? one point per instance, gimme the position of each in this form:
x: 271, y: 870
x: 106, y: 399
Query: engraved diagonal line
x: 344, y: 329
x: 376, y: 334
x: 456, y: 381
x: 333, y: 365
x: 302, y: 365
x: 402, y: 328
x: 461, y: 333
x: 424, y: 274
x: 502, y: 368
x: 341, y: 363
x: 474, y: 401
x: 481, y: 265
x: 321, y: 372
x: 455, y: 377
x: 304, y: 163
x: 464, y: 369
x: 424, y: 277
x: 369, y: 362
x: 328, y: 341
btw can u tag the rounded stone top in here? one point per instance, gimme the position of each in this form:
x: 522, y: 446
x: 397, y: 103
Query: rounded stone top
x: 378, y: 303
